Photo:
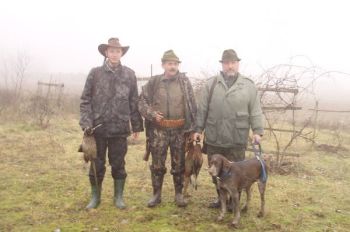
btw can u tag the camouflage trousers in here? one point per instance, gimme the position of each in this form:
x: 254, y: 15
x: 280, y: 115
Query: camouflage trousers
x: 160, y: 141
x: 117, y: 148
x: 232, y: 154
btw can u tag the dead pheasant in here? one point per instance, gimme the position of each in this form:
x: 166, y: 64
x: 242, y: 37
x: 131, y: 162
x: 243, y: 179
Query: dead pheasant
x: 88, y: 148
x: 193, y: 163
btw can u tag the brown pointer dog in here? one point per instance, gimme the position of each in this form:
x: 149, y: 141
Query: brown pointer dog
x: 232, y: 178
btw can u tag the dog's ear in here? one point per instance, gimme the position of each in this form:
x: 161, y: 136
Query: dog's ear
x: 220, y: 163
x: 226, y: 165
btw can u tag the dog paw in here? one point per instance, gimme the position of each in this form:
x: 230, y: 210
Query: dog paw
x: 261, y: 214
x: 220, y: 218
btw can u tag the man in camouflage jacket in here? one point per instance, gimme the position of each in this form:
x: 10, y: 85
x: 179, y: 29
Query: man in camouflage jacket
x: 110, y: 98
x: 167, y: 103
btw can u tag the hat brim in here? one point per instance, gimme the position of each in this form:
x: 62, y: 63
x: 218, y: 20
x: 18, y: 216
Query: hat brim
x: 221, y: 61
x: 165, y: 60
x: 103, y: 47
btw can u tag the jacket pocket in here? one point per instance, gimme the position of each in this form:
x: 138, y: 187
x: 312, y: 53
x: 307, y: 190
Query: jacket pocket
x: 123, y: 106
x: 210, y: 130
x: 242, y: 126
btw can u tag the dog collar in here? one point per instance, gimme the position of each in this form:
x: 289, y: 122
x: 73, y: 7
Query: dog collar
x: 224, y: 175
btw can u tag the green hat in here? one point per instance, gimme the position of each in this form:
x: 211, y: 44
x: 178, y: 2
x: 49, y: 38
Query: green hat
x: 229, y: 55
x: 170, y: 56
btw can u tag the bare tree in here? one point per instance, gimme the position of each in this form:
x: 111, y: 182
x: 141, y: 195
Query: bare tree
x: 21, y: 66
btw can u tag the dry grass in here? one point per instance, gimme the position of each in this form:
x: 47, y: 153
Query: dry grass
x: 44, y: 186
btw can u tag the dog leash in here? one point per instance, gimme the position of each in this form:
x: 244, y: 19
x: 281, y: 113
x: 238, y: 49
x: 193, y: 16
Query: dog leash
x: 257, y: 153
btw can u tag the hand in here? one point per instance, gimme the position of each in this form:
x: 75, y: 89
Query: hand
x: 88, y: 131
x: 159, y: 116
x: 256, y: 139
x: 196, y: 136
x: 135, y: 135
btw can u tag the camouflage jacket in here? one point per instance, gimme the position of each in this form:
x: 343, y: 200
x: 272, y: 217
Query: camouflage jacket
x: 110, y: 98
x: 146, y: 100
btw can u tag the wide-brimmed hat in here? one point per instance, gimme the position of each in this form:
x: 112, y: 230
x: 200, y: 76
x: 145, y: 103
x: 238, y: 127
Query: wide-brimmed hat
x: 229, y: 55
x: 112, y: 42
x: 170, y: 56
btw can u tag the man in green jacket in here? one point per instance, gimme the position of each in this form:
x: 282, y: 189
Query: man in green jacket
x: 227, y: 115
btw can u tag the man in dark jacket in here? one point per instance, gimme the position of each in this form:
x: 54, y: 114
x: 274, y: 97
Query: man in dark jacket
x: 110, y: 98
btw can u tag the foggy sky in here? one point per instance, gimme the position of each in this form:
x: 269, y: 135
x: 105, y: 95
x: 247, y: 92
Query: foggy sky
x: 62, y: 36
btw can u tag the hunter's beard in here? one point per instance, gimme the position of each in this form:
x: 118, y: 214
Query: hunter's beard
x: 230, y: 73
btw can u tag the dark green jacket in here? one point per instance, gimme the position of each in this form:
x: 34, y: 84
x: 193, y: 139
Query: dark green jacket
x: 232, y: 112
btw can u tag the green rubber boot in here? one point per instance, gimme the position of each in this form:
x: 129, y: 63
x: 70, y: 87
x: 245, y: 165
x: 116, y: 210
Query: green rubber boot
x: 95, y: 197
x: 118, y: 193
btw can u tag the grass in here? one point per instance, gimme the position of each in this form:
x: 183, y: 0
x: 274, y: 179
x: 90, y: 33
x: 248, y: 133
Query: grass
x: 44, y: 186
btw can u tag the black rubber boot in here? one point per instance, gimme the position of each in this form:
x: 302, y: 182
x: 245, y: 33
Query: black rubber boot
x: 95, y: 197
x: 118, y: 193
x: 157, y: 183
x: 179, y: 198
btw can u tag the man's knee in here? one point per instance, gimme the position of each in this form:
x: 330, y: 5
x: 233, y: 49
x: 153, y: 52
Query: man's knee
x: 157, y: 170
x: 99, y: 166
x: 119, y: 173
x: 177, y: 171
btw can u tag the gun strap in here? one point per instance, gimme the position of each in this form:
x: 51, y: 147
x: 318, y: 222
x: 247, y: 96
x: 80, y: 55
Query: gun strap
x: 211, y: 91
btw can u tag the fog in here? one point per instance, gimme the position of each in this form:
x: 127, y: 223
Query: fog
x: 61, y: 37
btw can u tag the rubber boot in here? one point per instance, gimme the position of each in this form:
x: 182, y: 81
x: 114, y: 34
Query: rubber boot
x: 95, y: 197
x: 179, y: 198
x: 118, y: 193
x: 157, y: 183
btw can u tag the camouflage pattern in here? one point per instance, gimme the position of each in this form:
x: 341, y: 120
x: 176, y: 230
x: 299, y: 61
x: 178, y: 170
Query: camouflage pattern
x: 110, y: 97
x: 117, y: 148
x: 148, y: 101
x: 161, y: 139
x: 232, y: 112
